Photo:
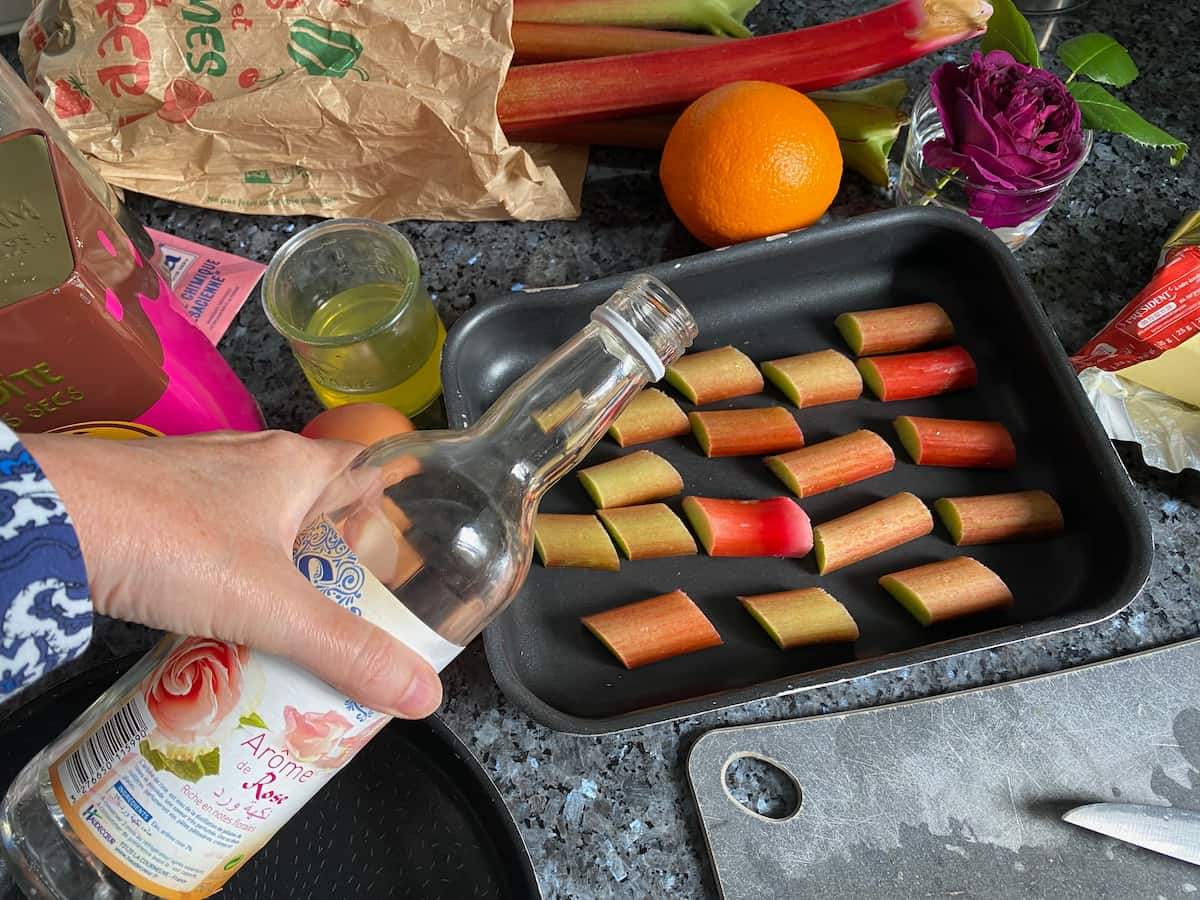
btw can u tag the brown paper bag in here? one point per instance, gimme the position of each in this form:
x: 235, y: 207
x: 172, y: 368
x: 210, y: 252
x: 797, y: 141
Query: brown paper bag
x: 383, y: 109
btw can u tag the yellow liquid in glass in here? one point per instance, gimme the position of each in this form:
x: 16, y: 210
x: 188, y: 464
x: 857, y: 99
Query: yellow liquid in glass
x: 401, y: 366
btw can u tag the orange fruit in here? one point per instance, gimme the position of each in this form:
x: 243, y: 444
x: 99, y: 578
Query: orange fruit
x: 750, y: 159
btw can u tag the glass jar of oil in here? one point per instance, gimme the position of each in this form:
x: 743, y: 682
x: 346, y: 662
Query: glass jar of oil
x: 347, y: 296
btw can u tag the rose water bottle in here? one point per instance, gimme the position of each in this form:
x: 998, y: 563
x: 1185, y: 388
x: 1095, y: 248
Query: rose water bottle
x: 203, y: 750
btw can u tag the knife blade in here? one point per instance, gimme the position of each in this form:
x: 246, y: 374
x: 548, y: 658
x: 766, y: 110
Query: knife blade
x: 1163, y: 829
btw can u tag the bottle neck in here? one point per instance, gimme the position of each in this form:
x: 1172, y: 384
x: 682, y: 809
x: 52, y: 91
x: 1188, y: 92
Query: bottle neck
x: 549, y: 419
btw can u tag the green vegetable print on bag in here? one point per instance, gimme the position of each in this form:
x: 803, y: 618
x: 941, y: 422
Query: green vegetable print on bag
x: 321, y: 50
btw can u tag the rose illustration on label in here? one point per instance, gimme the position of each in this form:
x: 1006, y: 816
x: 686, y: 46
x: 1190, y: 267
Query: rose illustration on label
x: 197, y: 697
x: 321, y: 50
x: 316, y: 738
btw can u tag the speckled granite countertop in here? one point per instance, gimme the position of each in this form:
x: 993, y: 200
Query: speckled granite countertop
x: 611, y: 816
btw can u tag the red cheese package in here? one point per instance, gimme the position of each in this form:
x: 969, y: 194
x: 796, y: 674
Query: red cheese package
x: 1142, y: 371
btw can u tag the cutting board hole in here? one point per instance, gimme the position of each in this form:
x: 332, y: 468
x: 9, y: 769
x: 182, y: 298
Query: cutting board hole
x: 762, y: 788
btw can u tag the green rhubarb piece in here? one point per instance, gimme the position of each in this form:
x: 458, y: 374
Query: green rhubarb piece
x: 781, y: 471
x: 802, y: 617
x: 652, y: 531
x: 851, y: 332
x: 947, y: 512
x: 557, y: 412
x: 713, y: 375
x: 573, y: 541
x: 819, y: 548
x: 909, y: 437
x: 907, y: 598
x: 629, y: 480
x: 780, y: 379
x: 870, y: 375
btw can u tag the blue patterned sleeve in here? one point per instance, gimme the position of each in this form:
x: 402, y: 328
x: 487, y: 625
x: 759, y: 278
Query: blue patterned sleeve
x: 45, y: 610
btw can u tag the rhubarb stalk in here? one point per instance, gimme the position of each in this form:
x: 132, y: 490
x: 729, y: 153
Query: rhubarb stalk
x: 957, y: 443
x: 652, y: 630
x: 830, y: 464
x: 746, y: 432
x: 869, y: 531
x: 715, y: 375
x: 648, y: 532
x: 578, y: 542
x: 714, y: 16
x: 814, y: 379
x: 801, y: 617
x: 650, y: 416
x: 992, y: 518
x: 912, y: 327
x: 948, y: 589
x: 629, y: 480
x: 866, y: 121
x: 538, y: 42
x: 907, y: 376
x: 538, y: 97
x: 776, y: 527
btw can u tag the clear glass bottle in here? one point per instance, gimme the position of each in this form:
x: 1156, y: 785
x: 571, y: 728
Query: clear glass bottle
x: 192, y: 761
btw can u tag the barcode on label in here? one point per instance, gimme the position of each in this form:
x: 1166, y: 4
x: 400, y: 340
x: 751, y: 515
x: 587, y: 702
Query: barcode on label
x: 92, y: 760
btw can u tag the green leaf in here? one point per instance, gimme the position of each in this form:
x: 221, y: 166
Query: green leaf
x: 886, y: 93
x: 210, y: 762
x: 1008, y: 30
x: 1100, y: 58
x: 1104, y: 112
x: 254, y: 720
x: 188, y: 769
x: 154, y: 757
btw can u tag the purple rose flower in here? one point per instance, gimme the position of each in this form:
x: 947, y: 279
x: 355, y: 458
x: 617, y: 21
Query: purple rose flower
x: 1008, y: 126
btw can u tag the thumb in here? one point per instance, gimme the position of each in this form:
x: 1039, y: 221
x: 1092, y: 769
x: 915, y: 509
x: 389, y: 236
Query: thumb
x: 345, y: 650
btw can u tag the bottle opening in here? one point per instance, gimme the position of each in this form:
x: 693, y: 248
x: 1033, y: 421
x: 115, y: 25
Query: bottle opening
x: 651, y: 319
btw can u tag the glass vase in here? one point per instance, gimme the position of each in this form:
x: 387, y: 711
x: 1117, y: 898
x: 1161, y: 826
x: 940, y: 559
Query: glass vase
x: 924, y: 185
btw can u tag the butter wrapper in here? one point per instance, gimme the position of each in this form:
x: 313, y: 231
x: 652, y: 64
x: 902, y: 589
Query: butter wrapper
x: 1142, y: 371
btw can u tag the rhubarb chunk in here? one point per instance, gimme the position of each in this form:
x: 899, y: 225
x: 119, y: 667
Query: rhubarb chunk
x: 870, y: 531
x: 892, y: 330
x: 801, y: 617
x: 629, y: 480
x: 650, y: 416
x: 557, y: 412
x: 652, y: 630
x: 715, y: 375
x: 948, y: 589
x: 834, y: 463
x: 648, y: 532
x: 775, y: 527
x: 993, y: 518
x: 812, y: 379
x: 578, y: 542
x: 958, y: 443
x: 906, y: 376
x: 746, y: 432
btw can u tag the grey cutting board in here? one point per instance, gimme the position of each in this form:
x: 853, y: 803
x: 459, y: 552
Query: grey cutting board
x: 960, y: 795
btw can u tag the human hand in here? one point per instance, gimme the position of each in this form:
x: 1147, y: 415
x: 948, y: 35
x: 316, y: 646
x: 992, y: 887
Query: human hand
x: 194, y: 535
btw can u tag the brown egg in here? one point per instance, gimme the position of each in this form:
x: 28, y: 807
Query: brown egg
x: 362, y: 423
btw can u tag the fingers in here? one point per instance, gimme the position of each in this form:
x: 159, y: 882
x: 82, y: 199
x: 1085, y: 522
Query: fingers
x: 349, y: 653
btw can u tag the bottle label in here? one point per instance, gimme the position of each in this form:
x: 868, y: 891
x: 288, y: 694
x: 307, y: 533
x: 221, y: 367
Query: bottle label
x: 220, y: 745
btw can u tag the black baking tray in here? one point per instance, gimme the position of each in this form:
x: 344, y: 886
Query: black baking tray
x: 778, y: 297
x: 413, y: 817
